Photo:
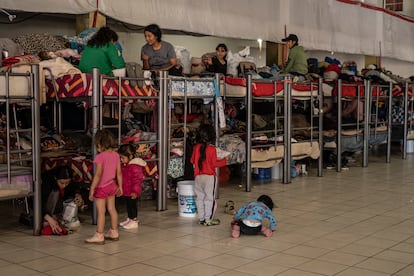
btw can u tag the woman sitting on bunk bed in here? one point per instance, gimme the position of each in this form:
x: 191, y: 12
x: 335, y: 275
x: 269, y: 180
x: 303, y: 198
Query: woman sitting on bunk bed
x: 158, y: 55
x: 102, y: 53
x: 217, y: 63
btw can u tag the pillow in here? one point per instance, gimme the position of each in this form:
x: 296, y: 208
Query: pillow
x: 197, y: 65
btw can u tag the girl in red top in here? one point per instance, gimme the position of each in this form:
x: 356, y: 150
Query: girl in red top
x: 133, y: 173
x: 204, y: 160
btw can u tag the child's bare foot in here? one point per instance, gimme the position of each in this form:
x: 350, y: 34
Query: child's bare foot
x: 235, y: 233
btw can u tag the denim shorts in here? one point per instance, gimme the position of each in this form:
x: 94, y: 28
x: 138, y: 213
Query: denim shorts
x: 106, y: 191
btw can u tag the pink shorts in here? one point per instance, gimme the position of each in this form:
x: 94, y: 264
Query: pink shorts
x: 106, y: 191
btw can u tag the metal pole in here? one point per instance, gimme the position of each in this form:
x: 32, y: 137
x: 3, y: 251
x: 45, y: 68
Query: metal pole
x: 249, y: 135
x: 389, y: 125
x: 287, y: 141
x: 405, y: 126
x: 320, y: 127
x: 95, y: 120
x: 339, y: 128
x: 37, y: 206
x: 367, y: 105
x: 163, y: 134
x: 217, y: 128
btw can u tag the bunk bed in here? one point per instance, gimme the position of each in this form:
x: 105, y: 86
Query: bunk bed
x: 402, y: 116
x: 365, y: 119
x: 279, y: 147
x: 20, y: 149
x: 191, y: 102
x: 117, y: 93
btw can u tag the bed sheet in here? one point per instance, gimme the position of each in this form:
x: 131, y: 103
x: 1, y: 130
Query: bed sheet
x: 81, y: 166
x: 235, y: 146
x: 236, y: 87
x: 21, y: 182
x: 195, y: 87
x: 80, y: 85
x: 274, y: 155
x: 355, y: 143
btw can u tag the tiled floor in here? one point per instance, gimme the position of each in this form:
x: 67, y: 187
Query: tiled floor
x: 357, y: 222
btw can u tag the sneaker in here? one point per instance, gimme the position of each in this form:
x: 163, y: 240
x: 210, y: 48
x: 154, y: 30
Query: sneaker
x: 125, y: 222
x: 112, y: 235
x: 97, y: 238
x: 201, y: 222
x: 73, y: 225
x: 132, y: 224
x: 212, y: 222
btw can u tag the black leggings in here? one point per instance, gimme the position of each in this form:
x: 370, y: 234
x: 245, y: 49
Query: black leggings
x: 248, y: 230
x: 131, y: 205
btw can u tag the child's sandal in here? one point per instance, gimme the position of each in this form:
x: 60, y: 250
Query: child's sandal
x: 229, y: 207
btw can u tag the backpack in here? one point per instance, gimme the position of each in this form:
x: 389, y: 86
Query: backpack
x: 134, y: 70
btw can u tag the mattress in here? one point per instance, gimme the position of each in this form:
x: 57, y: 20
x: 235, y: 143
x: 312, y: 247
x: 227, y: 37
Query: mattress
x: 236, y: 87
x: 18, y: 86
x: 80, y: 85
x: 274, y: 155
x: 21, y: 182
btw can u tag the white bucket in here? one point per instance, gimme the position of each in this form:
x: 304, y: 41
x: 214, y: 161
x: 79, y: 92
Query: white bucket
x: 186, y: 199
x: 410, y: 146
x: 277, y: 171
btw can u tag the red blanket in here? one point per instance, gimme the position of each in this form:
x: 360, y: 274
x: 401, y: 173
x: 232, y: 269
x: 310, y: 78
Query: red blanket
x: 268, y: 88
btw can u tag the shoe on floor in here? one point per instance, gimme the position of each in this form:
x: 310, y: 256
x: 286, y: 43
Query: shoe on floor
x: 97, y: 238
x: 201, y: 222
x: 125, y: 222
x: 212, y: 222
x: 112, y: 235
x: 132, y: 224
x: 73, y: 225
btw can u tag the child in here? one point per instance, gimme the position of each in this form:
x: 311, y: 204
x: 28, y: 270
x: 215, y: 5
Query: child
x: 132, y: 176
x: 204, y: 160
x: 106, y: 183
x: 249, y: 218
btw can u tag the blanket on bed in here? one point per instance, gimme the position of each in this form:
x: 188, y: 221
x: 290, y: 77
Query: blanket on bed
x: 80, y: 85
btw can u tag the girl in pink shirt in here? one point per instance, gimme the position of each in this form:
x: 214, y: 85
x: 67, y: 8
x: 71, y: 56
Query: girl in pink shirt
x: 106, y: 183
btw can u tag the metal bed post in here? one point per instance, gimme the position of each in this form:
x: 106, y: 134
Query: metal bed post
x: 217, y: 128
x: 320, y: 126
x: 96, y: 122
x: 339, y: 128
x: 37, y: 202
x: 389, y: 126
x: 367, y: 109
x: 287, y: 121
x: 163, y: 137
x: 249, y: 95
x: 405, y: 122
